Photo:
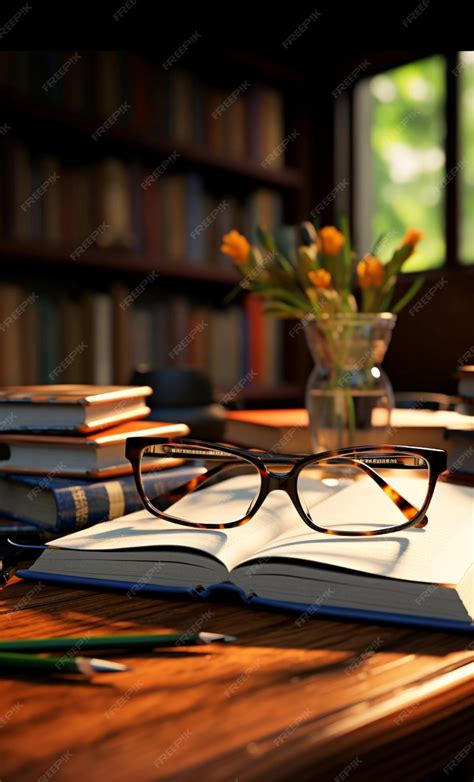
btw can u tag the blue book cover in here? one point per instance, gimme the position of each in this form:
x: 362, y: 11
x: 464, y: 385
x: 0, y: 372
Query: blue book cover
x: 80, y: 503
x: 306, y: 610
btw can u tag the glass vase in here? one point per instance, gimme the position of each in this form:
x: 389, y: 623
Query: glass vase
x: 349, y: 397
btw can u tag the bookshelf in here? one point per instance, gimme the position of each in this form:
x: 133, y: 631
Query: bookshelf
x: 223, y: 165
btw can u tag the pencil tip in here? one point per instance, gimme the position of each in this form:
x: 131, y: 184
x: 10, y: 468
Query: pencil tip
x: 210, y: 638
x: 107, y: 666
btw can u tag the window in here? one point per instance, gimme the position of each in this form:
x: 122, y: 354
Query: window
x: 401, y: 175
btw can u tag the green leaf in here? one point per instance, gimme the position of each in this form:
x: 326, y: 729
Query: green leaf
x: 412, y: 291
x: 398, y: 259
x: 266, y: 239
x: 377, y: 244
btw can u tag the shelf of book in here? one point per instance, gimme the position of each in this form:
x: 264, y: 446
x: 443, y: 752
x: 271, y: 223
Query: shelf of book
x: 89, y: 151
x: 137, y: 141
x: 122, y: 261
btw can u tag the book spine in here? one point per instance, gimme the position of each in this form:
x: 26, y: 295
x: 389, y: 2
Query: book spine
x: 83, y: 505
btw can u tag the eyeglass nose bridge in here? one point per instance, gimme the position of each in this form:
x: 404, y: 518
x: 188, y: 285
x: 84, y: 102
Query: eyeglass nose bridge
x: 281, y: 482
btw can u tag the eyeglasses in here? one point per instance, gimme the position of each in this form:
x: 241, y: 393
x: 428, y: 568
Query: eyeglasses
x: 365, y: 490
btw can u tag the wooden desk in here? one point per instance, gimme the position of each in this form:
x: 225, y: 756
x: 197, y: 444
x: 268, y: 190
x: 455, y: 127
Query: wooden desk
x: 325, y: 701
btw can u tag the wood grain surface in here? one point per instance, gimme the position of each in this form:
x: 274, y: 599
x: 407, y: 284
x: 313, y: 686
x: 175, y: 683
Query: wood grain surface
x: 317, y: 700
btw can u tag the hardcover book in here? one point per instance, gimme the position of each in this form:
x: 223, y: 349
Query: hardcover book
x: 65, y: 504
x: 74, y: 408
x: 419, y: 577
x: 97, y: 455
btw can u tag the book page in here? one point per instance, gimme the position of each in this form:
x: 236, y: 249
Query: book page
x: 441, y: 553
x: 212, y: 505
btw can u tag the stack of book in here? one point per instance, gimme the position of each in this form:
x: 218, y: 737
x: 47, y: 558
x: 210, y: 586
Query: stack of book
x: 62, y: 455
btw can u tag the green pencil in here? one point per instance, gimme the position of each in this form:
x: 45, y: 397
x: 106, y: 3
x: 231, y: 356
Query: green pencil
x: 29, y: 663
x: 139, y: 641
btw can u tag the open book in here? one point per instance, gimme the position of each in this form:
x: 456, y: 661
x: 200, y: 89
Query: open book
x: 421, y: 576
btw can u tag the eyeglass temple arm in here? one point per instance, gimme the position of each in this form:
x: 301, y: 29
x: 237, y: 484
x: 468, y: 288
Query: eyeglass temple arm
x: 405, y: 507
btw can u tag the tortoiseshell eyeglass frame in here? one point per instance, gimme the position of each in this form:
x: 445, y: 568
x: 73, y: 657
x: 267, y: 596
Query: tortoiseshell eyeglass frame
x: 359, y: 456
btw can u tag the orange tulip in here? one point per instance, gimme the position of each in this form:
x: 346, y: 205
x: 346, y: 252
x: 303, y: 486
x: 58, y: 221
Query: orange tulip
x: 411, y: 238
x: 320, y: 278
x: 236, y: 245
x: 330, y: 240
x: 370, y: 272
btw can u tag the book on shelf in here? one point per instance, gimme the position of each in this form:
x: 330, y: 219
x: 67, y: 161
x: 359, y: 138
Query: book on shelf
x: 71, y: 408
x: 412, y: 577
x: 62, y: 505
x: 97, y: 455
